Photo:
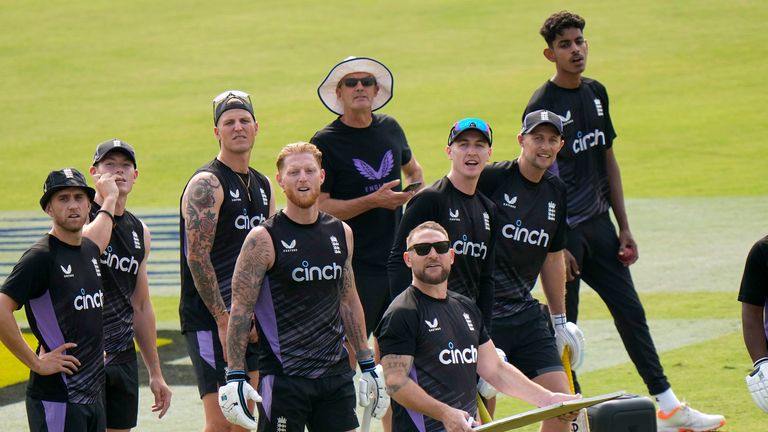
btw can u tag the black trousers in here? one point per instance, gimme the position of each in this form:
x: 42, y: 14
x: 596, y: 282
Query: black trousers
x: 595, y: 244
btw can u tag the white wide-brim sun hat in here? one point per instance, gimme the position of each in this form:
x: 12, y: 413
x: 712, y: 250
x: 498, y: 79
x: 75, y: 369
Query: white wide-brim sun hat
x: 352, y: 64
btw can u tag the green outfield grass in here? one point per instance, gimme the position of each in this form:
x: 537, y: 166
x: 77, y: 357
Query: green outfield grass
x: 685, y: 86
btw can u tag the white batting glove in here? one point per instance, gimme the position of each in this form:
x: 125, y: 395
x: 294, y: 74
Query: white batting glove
x: 486, y: 390
x: 373, y: 393
x: 568, y: 333
x: 233, y: 400
x: 757, y: 383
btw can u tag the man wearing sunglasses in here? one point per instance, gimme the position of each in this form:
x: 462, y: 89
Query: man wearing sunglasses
x: 363, y: 156
x: 128, y: 312
x: 595, y: 252
x: 530, y: 237
x: 466, y: 214
x: 434, y: 345
x: 295, y: 271
x: 221, y: 203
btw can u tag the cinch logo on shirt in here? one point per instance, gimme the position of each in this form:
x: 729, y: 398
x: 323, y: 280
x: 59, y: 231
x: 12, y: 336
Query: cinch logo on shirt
x: 111, y: 260
x: 453, y: 355
x: 520, y: 233
x: 464, y: 247
x: 88, y: 301
x: 307, y: 273
x: 289, y: 247
x: 586, y: 141
x: 244, y: 222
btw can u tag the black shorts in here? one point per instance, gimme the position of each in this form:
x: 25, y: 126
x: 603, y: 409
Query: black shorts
x: 291, y: 403
x: 529, y: 344
x: 205, y: 351
x: 373, y: 290
x: 48, y: 416
x: 121, y: 394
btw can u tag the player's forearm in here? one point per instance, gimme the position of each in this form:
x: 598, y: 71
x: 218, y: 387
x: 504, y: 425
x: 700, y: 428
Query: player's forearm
x: 616, y: 191
x: 553, y: 282
x: 509, y: 380
x: 347, y: 209
x: 99, y: 230
x: 753, y: 331
x: 414, y: 398
x: 353, y: 318
x: 240, y: 320
x: 207, y: 285
x: 144, y: 326
x: 10, y: 336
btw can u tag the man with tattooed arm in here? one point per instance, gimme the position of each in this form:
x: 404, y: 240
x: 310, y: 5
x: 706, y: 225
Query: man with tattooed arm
x: 222, y: 201
x: 295, y: 273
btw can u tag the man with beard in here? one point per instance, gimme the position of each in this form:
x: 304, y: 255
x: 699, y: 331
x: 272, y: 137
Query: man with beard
x: 595, y: 253
x: 221, y: 203
x: 434, y: 344
x: 58, y: 282
x: 295, y: 273
x: 128, y: 309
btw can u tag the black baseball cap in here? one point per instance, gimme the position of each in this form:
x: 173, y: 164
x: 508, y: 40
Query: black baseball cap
x: 114, y: 144
x: 62, y: 179
x: 541, y: 116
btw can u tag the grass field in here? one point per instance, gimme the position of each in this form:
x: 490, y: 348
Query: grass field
x: 686, y: 86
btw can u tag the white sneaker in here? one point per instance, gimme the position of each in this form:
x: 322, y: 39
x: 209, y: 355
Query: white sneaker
x: 686, y: 419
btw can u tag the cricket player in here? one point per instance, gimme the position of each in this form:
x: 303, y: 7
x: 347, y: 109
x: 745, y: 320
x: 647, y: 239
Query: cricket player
x: 753, y: 296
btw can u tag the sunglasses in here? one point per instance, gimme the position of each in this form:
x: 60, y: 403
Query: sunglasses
x: 423, y: 249
x: 470, y: 123
x: 352, y: 82
x: 229, y: 94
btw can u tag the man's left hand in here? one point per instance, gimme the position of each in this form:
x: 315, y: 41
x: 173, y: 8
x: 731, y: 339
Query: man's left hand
x: 568, y: 333
x: 372, y: 393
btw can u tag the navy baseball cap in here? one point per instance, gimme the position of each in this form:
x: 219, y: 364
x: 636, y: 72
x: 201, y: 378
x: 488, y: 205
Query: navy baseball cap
x: 465, y: 124
x: 114, y: 145
x: 62, y: 179
x: 231, y: 99
x: 541, y: 116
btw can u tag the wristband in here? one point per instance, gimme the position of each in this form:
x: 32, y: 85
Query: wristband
x: 106, y: 212
x: 237, y: 375
x: 558, y: 320
x: 367, y: 365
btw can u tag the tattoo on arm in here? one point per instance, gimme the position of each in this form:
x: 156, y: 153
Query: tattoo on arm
x: 201, y: 217
x: 256, y: 257
x: 396, y: 368
x: 351, y: 310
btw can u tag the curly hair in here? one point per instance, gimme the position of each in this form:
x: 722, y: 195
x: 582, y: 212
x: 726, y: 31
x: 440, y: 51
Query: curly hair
x: 559, y: 22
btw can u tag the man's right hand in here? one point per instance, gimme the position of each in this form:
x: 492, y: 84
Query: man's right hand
x: 757, y: 383
x: 572, y: 270
x: 233, y: 400
x: 455, y: 420
x: 387, y: 198
x: 56, y: 361
x: 106, y: 185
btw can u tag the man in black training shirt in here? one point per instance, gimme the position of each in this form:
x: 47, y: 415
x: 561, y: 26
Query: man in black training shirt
x: 58, y: 282
x: 466, y: 214
x: 295, y: 273
x: 434, y: 344
x: 363, y: 155
x: 588, y: 167
x: 753, y: 296
x: 221, y: 203
x: 128, y: 311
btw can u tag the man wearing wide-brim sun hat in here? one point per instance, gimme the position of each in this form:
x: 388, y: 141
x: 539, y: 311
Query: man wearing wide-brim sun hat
x: 364, y: 155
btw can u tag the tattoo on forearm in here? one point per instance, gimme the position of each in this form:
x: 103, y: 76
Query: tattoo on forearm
x: 397, y: 366
x: 201, y: 220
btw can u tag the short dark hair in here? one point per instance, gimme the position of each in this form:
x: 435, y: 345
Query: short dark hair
x: 557, y: 23
x: 424, y: 226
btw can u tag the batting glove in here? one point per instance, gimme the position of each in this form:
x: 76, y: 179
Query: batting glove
x: 233, y: 399
x: 486, y: 390
x: 757, y: 383
x: 568, y: 333
x: 373, y: 394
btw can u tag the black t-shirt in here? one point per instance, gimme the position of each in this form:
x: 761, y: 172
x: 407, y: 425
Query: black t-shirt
x: 754, y: 282
x: 469, y: 220
x: 531, y: 224
x: 357, y: 162
x: 297, y: 312
x: 588, y: 133
x: 119, y: 271
x: 443, y: 337
x: 59, y: 286
x: 241, y: 210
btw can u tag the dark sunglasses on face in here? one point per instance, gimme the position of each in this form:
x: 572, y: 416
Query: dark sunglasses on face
x: 352, y: 82
x: 423, y: 249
